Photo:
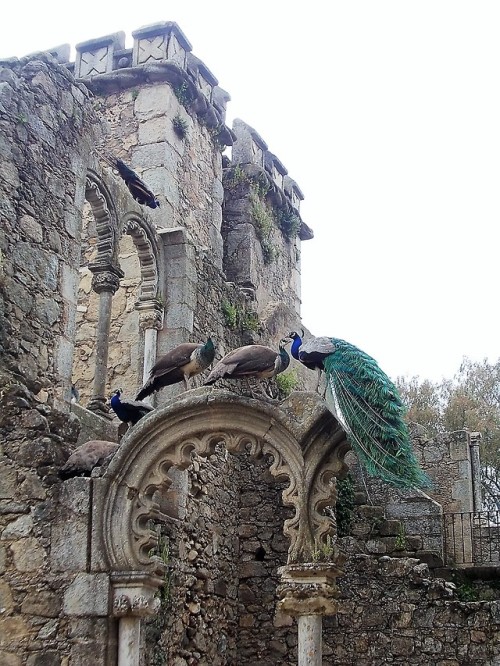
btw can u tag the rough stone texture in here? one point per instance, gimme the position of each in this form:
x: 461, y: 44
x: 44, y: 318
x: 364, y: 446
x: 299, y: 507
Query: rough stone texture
x: 198, y: 260
x: 38, y: 186
x: 393, y: 611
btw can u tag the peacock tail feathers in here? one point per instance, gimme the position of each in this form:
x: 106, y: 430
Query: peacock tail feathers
x: 370, y: 409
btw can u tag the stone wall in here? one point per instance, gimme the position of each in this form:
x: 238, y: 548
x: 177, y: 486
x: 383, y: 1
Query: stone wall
x: 36, y: 440
x: 203, y: 263
x: 199, y: 616
x: 393, y: 611
x: 45, y: 143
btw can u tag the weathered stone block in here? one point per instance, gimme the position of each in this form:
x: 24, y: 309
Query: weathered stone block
x: 6, y: 603
x: 12, y: 629
x: 49, y: 658
x: 9, y: 659
x: 156, y: 101
x: 21, y: 527
x: 88, y: 595
x: 43, y: 602
x: 252, y: 569
x: 28, y: 554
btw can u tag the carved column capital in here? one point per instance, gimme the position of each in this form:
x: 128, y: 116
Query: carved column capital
x: 105, y: 276
x: 105, y: 281
x: 137, y: 606
x: 134, y: 594
x: 309, y: 589
x: 150, y: 314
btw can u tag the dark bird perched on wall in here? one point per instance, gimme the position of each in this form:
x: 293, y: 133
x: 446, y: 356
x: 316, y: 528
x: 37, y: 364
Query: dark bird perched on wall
x: 178, y: 365
x: 87, y: 456
x: 128, y: 411
x: 137, y: 187
x: 368, y: 406
x: 257, y: 361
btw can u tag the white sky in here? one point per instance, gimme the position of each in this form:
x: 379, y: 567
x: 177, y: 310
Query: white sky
x: 387, y: 115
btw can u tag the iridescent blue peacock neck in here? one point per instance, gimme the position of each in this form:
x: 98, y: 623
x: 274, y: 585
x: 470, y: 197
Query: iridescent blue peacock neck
x: 369, y: 407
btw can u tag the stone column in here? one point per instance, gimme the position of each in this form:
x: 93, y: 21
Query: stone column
x: 475, y: 463
x: 307, y: 592
x: 105, y: 282
x: 133, y: 599
x: 150, y: 321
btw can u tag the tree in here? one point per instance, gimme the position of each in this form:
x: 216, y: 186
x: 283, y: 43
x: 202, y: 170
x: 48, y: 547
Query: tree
x: 470, y: 401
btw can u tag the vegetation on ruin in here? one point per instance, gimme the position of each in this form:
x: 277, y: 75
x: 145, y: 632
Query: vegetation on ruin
x: 287, y: 382
x: 344, y: 507
x: 469, y: 401
x: 180, y: 126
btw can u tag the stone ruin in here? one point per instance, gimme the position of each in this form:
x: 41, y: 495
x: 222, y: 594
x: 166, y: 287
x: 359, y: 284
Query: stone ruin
x: 209, y: 537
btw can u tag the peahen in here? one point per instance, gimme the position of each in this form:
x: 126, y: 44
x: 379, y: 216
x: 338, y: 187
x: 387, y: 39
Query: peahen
x: 87, y: 456
x: 178, y: 365
x: 137, y: 187
x: 251, y: 361
x: 128, y: 411
x: 368, y: 406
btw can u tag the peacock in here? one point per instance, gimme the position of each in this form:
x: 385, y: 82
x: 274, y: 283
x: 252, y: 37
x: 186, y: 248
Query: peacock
x: 137, y: 187
x: 178, y: 365
x: 368, y: 405
x: 251, y: 361
x: 128, y: 411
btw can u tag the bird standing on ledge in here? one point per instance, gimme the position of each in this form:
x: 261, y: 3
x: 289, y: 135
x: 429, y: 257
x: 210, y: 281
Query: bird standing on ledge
x: 178, y: 365
x: 257, y: 361
x: 87, y: 456
x: 368, y: 405
x: 128, y: 411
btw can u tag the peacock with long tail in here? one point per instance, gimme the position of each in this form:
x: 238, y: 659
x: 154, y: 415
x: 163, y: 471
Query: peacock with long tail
x: 368, y: 406
x: 178, y: 365
x: 251, y: 361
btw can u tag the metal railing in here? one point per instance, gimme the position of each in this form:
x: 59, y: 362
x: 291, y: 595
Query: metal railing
x: 472, y: 538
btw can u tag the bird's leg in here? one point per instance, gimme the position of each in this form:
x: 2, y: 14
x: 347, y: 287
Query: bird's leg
x: 316, y: 390
x: 185, y: 380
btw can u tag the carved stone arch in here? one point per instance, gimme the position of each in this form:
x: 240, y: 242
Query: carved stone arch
x: 146, y: 243
x: 303, y: 440
x: 106, y: 219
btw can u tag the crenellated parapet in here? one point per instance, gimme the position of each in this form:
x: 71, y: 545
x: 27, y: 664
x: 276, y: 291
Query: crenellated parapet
x: 250, y: 148
x: 161, y: 53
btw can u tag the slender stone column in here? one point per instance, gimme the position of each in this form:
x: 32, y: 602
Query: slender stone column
x: 133, y: 599
x: 310, y: 639
x: 475, y: 462
x: 308, y: 591
x: 105, y: 282
x: 150, y: 321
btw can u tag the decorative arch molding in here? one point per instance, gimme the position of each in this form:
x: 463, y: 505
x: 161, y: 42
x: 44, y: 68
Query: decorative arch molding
x: 303, y: 440
x: 106, y: 219
x: 145, y: 239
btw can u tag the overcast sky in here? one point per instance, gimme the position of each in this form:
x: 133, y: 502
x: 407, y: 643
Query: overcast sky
x: 387, y: 115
